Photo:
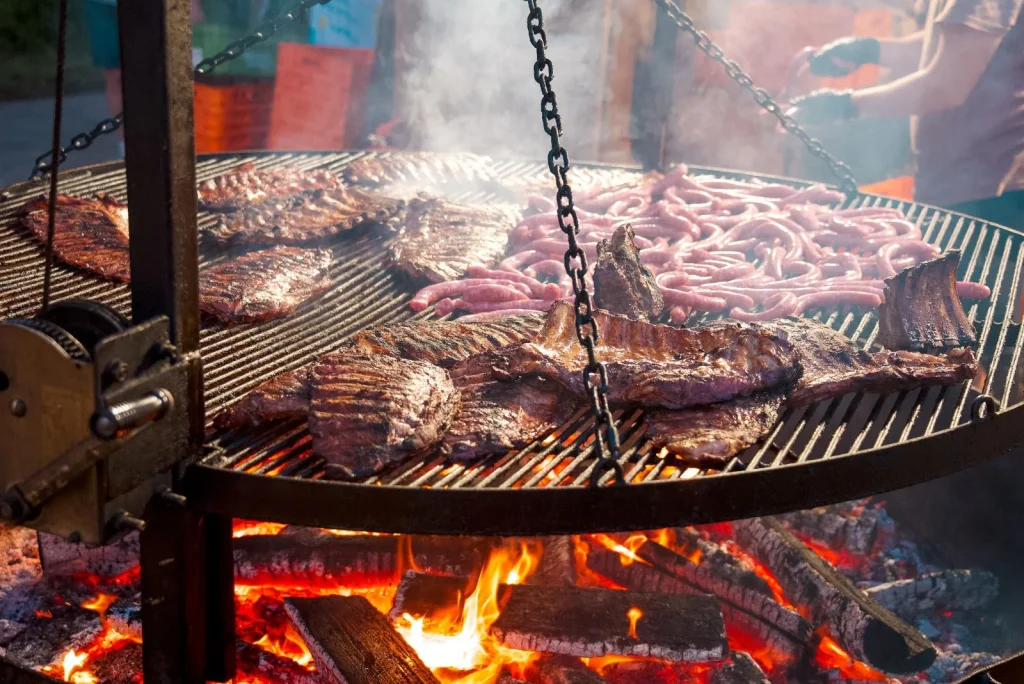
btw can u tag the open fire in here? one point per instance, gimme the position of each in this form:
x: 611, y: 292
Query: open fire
x: 589, y: 608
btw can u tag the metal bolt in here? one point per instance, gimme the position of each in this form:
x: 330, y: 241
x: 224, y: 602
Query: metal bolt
x: 73, y: 538
x: 116, y: 371
x: 18, y: 408
x: 123, y: 520
x: 167, y: 494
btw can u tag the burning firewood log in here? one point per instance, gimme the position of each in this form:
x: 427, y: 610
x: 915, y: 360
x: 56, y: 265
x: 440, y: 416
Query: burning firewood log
x: 950, y: 589
x: 51, y: 633
x: 720, y: 562
x: 836, y: 529
x: 561, y: 670
x: 639, y: 576
x: 594, y: 622
x: 422, y: 595
x: 305, y: 557
x: 352, y: 643
x: 255, y: 663
x: 61, y: 557
x: 557, y: 565
x: 862, y: 626
x: 741, y: 669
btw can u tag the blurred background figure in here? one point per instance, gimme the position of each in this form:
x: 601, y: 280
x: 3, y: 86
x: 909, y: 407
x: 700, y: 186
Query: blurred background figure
x: 961, y: 80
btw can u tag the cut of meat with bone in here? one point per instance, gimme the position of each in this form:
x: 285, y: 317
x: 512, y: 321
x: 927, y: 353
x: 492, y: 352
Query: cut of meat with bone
x: 922, y: 311
x: 264, y: 285
x: 91, y: 234
x: 657, y: 365
x: 248, y: 185
x: 442, y: 343
x: 622, y: 285
x: 708, y: 436
x: 304, y: 217
x: 368, y: 413
x: 834, y: 366
x: 440, y: 240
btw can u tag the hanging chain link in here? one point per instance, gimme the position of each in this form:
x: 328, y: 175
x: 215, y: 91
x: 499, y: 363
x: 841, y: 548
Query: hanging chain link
x: 264, y: 32
x: 595, y: 375
x: 762, y: 97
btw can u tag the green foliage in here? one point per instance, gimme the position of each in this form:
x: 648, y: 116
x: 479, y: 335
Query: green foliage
x: 25, y: 25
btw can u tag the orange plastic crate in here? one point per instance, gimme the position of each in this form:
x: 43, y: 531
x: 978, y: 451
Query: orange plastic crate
x: 233, y: 115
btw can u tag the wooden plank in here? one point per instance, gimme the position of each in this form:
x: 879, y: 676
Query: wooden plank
x: 861, y: 625
x: 586, y: 622
x: 352, y: 643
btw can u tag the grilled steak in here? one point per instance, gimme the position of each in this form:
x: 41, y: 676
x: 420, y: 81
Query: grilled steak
x: 371, y: 412
x: 282, y: 397
x: 922, y: 311
x: 657, y: 365
x: 834, y: 366
x: 88, y: 234
x: 440, y: 240
x: 418, y: 168
x: 248, y: 185
x: 264, y: 285
x: 442, y: 343
x: 708, y: 436
x: 497, y: 416
x: 622, y: 285
x: 306, y: 216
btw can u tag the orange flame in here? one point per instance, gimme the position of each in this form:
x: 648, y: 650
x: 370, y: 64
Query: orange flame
x: 831, y: 656
x: 627, y: 554
x: 289, y: 645
x: 99, y: 603
x: 72, y: 661
x: 634, y: 614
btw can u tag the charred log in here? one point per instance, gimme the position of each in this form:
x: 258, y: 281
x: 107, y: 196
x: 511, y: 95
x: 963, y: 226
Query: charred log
x: 721, y: 562
x: 740, y: 625
x: 740, y: 669
x: 594, y: 622
x: 422, y: 595
x: 61, y: 557
x: 255, y: 663
x: 623, y: 285
x: 287, y: 558
x: 352, y: 643
x: 557, y: 565
x: 561, y: 670
x: 949, y: 589
x: 51, y: 633
x: 855, y: 533
x: 867, y: 630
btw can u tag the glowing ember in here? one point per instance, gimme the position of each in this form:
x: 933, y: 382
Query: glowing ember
x: 626, y: 555
x: 634, y: 614
x: 246, y: 528
x: 72, y: 662
x: 289, y: 645
x: 831, y: 656
x: 45, y: 614
x: 99, y: 603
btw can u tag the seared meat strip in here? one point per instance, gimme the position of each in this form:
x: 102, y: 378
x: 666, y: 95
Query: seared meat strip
x: 248, y: 185
x: 306, y: 216
x: 622, y: 285
x: 264, y: 285
x: 440, y: 240
x: 708, y: 436
x: 371, y: 412
x: 442, y: 343
x: 922, y: 311
x: 88, y: 234
x: 497, y: 415
x: 657, y: 365
x: 834, y: 366
x: 418, y: 168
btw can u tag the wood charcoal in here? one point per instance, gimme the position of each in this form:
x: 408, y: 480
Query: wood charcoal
x: 61, y: 557
x: 948, y: 589
x: 561, y: 670
x: 739, y: 669
x: 255, y: 663
x: 424, y: 595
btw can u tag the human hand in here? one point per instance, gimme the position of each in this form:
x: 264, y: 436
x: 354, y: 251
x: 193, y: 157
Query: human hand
x: 844, y: 56
x: 823, y: 107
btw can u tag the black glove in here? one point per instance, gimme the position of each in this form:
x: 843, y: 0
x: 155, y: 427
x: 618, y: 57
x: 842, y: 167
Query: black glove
x: 842, y: 57
x: 823, y: 107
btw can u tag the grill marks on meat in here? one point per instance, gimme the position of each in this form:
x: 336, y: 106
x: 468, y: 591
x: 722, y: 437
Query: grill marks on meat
x: 622, y: 285
x: 708, y: 436
x: 303, y: 217
x: 419, y: 168
x: 497, y: 416
x: 658, y: 365
x: 248, y: 185
x: 371, y: 412
x: 91, y: 234
x: 264, y: 285
x: 922, y: 311
x: 834, y: 366
x: 440, y: 240
x: 442, y: 343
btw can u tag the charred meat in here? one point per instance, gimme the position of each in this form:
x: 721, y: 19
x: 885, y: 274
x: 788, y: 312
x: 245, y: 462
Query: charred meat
x: 264, y: 285
x: 418, y: 168
x: 622, y: 285
x: 657, y: 365
x: 442, y: 343
x: 922, y: 311
x: 370, y: 412
x: 708, y: 436
x: 248, y: 185
x: 304, y: 217
x: 90, y: 234
x: 439, y: 240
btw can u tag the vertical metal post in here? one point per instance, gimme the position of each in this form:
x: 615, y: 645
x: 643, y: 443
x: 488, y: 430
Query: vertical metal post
x: 156, y: 82
x: 653, y: 95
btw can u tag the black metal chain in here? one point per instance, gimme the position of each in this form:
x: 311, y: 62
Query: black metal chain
x: 264, y: 32
x: 595, y: 375
x: 58, y: 106
x: 762, y: 97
